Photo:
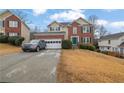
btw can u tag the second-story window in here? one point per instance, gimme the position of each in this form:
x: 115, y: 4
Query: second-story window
x: 86, y: 29
x: 51, y: 29
x: 13, y: 23
x: 74, y: 30
x: 57, y: 28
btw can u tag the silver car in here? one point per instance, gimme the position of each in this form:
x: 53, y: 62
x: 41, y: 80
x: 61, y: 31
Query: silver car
x: 34, y: 45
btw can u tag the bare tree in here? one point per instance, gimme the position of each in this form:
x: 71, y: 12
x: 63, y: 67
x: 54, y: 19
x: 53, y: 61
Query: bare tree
x: 102, y: 31
x: 22, y: 15
x: 93, y: 20
x: 99, y: 30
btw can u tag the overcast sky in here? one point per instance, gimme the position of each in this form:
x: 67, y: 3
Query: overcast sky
x: 113, y: 20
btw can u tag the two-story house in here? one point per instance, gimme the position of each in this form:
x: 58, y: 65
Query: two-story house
x: 78, y: 31
x: 112, y: 42
x: 12, y: 25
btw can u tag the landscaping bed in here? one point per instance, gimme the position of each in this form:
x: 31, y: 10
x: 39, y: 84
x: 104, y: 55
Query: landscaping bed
x: 86, y: 66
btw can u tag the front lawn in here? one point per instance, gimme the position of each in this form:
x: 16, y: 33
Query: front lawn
x: 87, y: 66
x: 8, y: 49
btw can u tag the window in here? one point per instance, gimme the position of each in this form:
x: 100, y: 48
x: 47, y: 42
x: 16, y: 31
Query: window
x: 13, y: 34
x: 86, y: 40
x: 86, y: 29
x: 54, y: 28
x: 51, y: 29
x: 74, y: 30
x: 109, y: 41
x: 58, y: 28
x: 13, y: 24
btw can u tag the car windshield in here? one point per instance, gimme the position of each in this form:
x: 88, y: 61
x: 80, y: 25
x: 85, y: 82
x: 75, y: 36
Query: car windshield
x: 34, y: 41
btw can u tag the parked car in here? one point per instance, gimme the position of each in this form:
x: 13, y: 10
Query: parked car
x: 34, y: 45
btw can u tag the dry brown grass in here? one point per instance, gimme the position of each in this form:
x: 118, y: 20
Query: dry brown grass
x: 7, y: 49
x: 88, y: 66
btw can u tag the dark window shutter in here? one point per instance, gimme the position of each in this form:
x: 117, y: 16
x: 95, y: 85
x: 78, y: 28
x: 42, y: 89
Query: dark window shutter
x: 91, y: 28
x: 81, y: 29
x: 90, y: 40
x: 51, y: 29
x: 3, y: 24
x: 7, y: 23
x: 17, y: 24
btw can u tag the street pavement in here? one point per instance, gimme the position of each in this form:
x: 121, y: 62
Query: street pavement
x: 30, y: 67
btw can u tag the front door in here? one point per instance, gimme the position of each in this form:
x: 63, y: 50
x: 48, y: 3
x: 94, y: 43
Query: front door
x: 74, y: 40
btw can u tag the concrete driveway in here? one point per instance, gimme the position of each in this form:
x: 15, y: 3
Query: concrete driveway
x: 29, y: 67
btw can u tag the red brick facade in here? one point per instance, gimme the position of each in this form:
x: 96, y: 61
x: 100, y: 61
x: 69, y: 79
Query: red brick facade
x: 49, y: 36
x: 12, y: 29
x: 79, y: 33
x: 82, y: 34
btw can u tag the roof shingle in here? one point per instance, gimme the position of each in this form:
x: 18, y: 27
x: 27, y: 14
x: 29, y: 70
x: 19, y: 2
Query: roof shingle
x: 112, y: 36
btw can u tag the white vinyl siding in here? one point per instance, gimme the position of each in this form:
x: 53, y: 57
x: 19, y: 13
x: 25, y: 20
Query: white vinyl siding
x: 13, y: 23
x: 74, y: 30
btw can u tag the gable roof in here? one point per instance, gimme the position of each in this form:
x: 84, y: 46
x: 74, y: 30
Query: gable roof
x: 65, y: 23
x: 122, y: 44
x: 69, y: 23
x: 83, y: 20
x: 112, y: 36
x: 11, y: 13
x: 5, y: 14
x: 53, y: 22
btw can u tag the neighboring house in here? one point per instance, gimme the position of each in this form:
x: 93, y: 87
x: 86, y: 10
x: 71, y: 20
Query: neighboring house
x: 12, y: 25
x: 78, y: 31
x: 112, y: 42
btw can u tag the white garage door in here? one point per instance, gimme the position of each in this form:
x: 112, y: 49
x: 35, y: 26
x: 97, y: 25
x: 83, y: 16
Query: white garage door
x: 53, y: 43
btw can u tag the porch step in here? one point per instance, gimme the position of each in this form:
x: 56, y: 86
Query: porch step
x: 74, y: 47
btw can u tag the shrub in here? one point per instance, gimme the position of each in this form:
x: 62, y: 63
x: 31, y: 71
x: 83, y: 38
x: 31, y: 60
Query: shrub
x: 15, y: 40
x: 83, y: 47
x: 19, y: 41
x: 3, y: 39
x: 97, y: 50
x: 92, y: 48
x: 12, y: 39
x: 66, y: 44
x: 88, y: 47
x: 104, y: 52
